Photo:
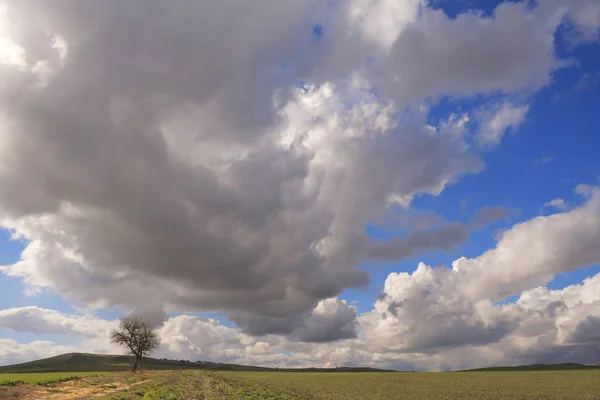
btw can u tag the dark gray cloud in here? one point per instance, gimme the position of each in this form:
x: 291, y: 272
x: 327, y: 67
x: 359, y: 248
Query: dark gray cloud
x: 330, y: 320
x: 440, y: 237
x: 587, y: 331
x: 511, y: 50
x: 163, y: 155
x: 151, y: 164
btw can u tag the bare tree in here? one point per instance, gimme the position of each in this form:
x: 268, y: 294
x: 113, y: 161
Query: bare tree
x: 137, y: 336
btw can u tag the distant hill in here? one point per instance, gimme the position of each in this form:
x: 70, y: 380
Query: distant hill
x: 539, y: 367
x: 81, y: 362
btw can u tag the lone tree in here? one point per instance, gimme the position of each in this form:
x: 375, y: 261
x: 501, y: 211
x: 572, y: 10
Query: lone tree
x: 137, y: 336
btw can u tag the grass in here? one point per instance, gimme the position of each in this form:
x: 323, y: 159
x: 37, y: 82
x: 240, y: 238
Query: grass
x: 43, y: 378
x: 547, y: 385
x: 82, y: 362
x: 235, y: 385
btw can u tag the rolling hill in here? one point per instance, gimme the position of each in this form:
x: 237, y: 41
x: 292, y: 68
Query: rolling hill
x: 538, y: 367
x: 79, y: 362
x: 82, y: 362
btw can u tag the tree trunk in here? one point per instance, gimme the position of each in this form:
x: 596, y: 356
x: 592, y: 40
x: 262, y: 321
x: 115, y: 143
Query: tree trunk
x: 135, y: 364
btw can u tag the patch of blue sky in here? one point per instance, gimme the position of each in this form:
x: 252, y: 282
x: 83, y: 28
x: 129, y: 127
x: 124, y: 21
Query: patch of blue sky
x: 554, y: 150
x: 454, y: 8
x: 303, y: 85
x: 13, y: 289
x: 318, y: 31
x: 564, y: 135
x: 13, y: 295
x: 508, y: 300
x: 575, y: 277
x: 109, y: 314
x: 10, y: 250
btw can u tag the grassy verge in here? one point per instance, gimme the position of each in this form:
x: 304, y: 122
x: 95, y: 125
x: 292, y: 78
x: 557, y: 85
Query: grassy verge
x: 44, y: 377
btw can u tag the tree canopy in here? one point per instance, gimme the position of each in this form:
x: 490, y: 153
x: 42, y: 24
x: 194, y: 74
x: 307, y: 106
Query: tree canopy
x: 138, y: 337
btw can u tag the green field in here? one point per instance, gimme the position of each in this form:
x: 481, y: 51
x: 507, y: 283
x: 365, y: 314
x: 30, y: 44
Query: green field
x: 548, y: 385
x: 45, y: 377
x: 210, y: 385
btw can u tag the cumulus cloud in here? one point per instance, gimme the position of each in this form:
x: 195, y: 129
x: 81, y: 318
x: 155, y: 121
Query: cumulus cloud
x: 12, y: 352
x: 331, y: 319
x: 44, y: 321
x: 441, y: 308
x: 542, y: 326
x: 509, y: 51
x: 432, y: 319
x: 157, y: 159
x: 141, y: 169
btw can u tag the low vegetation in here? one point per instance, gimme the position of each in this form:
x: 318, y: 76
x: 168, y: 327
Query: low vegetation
x: 43, y: 378
x: 550, y: 385
x: 210, y: 385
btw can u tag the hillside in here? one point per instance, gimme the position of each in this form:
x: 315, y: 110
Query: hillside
x: 539, y: 367
x: 78, y: 362
x: 81, y: 362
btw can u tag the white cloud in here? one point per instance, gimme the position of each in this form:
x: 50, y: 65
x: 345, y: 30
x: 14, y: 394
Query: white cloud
x: 12, y: 352
x: 543, y: 326
x: 381, y: 21
x: 44, y: 321
x: 442, y: 310
x: 497, y: 121
x: 559, y: 204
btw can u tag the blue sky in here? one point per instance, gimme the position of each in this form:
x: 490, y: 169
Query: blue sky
x: 193, y: 199
x: 554, y: 150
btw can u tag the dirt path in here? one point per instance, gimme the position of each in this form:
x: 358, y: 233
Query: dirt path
x: 118, y: 389
x: 73, y: 390
x: 188, y: 385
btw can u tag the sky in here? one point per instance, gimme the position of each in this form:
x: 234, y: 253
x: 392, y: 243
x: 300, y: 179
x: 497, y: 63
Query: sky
x: 403, y: 184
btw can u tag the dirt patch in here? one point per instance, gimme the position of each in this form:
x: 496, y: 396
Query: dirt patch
x: 71, y: 390
x: 14, y: 392
x: 120, y: 388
